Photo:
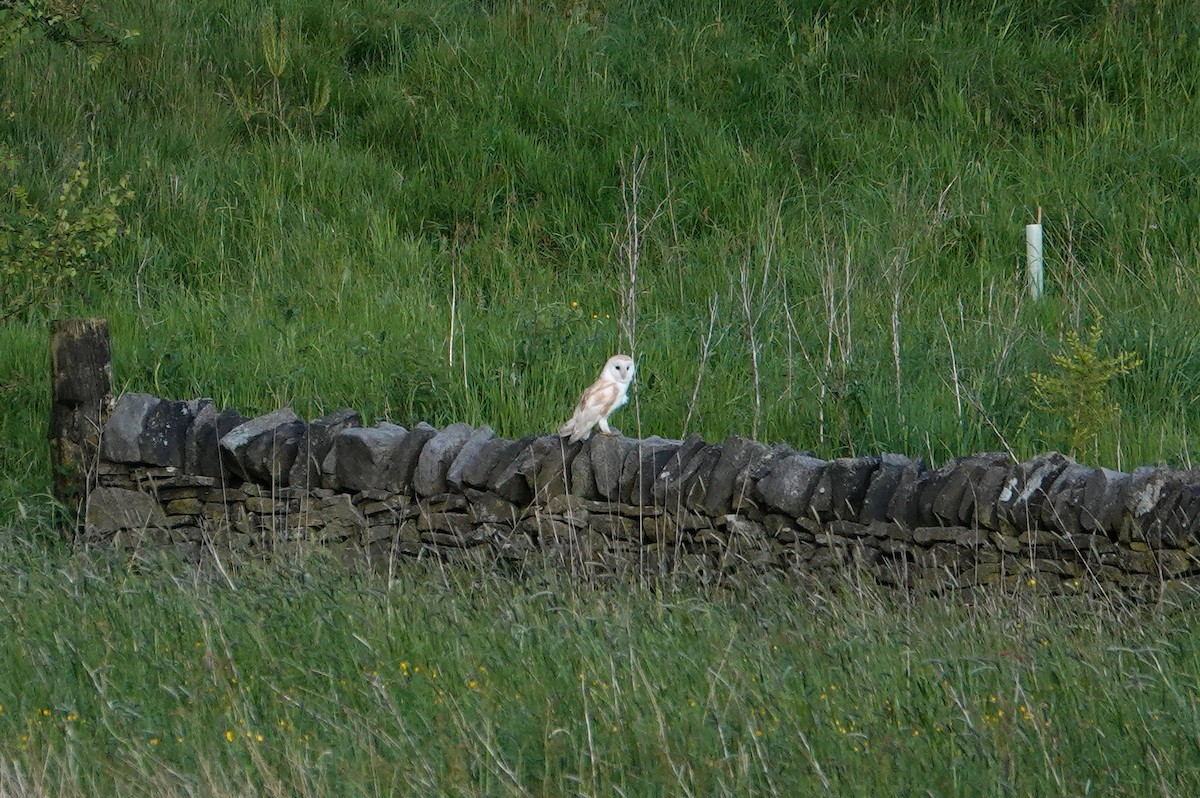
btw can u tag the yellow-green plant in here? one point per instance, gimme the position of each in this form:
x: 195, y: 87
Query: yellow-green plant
x: 269, y: 106
x: 1077, y: 390
x: 43, y: 251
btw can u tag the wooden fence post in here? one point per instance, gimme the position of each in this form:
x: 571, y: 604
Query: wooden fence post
x: 81, y: 387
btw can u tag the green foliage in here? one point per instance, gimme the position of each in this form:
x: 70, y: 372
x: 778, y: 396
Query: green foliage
x: 46, y: 248
x: 44, y: 252
x: 1078, y: 390
x: 75, y: 22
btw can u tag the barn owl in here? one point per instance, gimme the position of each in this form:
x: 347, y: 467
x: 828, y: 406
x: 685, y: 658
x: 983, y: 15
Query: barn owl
x: 601, y: 399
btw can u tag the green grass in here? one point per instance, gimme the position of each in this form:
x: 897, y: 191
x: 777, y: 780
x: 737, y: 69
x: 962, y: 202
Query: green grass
x: 445, y: 240
x: 800, y: 165
x: 147, y: 678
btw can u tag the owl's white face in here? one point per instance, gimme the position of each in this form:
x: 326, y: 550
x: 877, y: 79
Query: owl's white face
x: 618, y: 369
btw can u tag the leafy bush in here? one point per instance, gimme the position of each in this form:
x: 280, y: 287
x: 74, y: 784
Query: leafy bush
x: 74, y: 22
x: 44, y: 251
x: 1078, y: 390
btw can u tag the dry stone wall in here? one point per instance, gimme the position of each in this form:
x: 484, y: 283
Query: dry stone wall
x: 187, y: 476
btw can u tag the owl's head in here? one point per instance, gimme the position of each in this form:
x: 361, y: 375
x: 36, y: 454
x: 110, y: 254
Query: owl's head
x: 619, y: 369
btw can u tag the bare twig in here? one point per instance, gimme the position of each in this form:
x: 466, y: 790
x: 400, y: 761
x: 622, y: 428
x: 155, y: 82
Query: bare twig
x: 899, y: 262
x: 706, y: 347
x: 630, y: 245
x: 953, y: 367
x: 453, y: 305
x: 752, y: 341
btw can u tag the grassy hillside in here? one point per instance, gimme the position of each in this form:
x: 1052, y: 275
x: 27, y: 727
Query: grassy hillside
x: 424, y: 211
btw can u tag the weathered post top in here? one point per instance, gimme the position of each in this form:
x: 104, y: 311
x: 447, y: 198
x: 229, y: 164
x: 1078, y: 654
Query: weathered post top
x: 81, y: 390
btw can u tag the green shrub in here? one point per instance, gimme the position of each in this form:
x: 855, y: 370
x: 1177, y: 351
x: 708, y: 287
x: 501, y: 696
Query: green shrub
x: 75, y: 22
x: 1077, y: 391
x: 43, y: 251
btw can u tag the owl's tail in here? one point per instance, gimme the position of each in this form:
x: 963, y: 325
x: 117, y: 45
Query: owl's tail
x: 567, y: 430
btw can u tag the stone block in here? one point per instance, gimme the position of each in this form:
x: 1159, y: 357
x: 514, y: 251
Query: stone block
x: 402, y: 464
x: 111, y: 509
x: 1182, y: 526
x: 608, y: 453
x: 512, y: 480
x: 895, y: 549
x: 1163, y: 563
x: 1008, y: 544
x: 694, y: 484
x: 1021, y: 505
x: 459, y: 525
x: 982, y: 495
x: 850, y: 478
x: 444, y: 503
x: 1089, y: 546
x: 163, y: 440
x: 643, y: 464
x: 883, y: 484
x: 945, y: 555
x: 828, y: 557
x: 120, y: 440
x: 737, y: 453
x: 188, y: 506
x: 265, y: 505
x: 951, y: 534
x: 263, y: 449
x: 1058, y: 568
x: 1160, y: 528
x: 433, y: 464
x: 685, y: 489
x: 761, y: 464
x: 905, y: 506
x: 843, y: 485
x: 1103, y: 502
x: 493, y: 454
x: 743, y: 528
x: 673, y: 469
x: 660, y: 529
x: 950, y: 493
x: 614, y: 527
x: 467, y: 455
x: 1040, y: 539
x: 395, y: 507
x: 361, y: 456
x: 553, y: 460
x: 949, y: 479
x: 789, y: 486
x: 1061, y: 510
x: 583, y: 479
x: 1145, y: 490
x: 316, y: 445
x: 848, y: 529
x: 202, y: 450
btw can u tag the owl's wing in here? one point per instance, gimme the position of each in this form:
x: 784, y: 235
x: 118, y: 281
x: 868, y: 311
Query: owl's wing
x: 596, y: 403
